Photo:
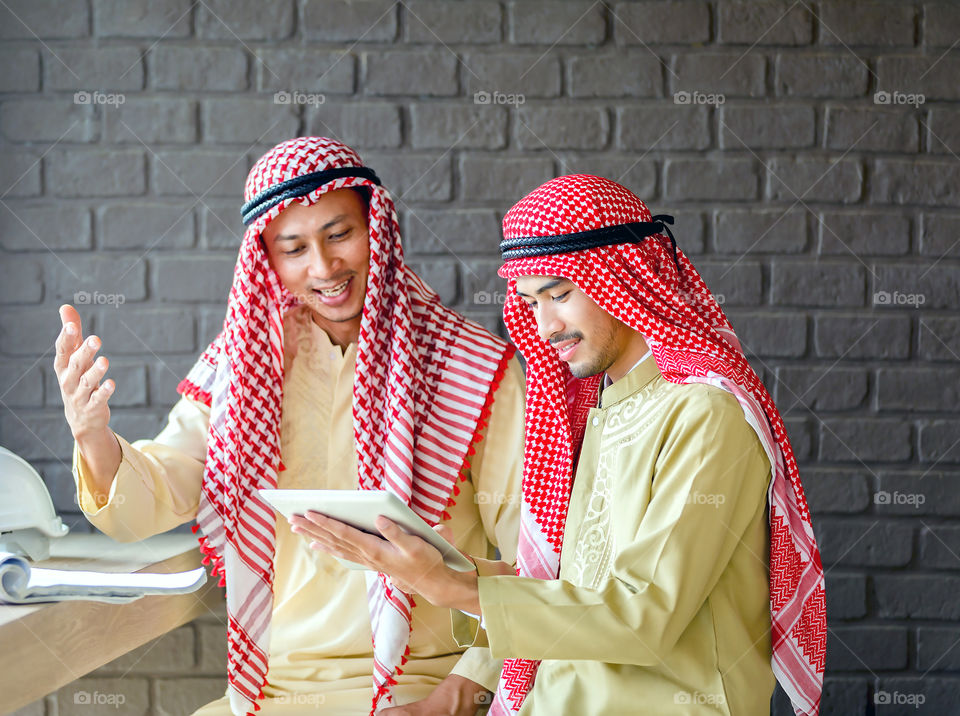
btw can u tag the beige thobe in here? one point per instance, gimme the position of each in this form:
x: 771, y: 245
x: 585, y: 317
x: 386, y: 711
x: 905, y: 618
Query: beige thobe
x: 662, y: 603
x: 320, y: 642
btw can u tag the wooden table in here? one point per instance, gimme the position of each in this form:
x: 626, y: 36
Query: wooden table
x: 46, y: 646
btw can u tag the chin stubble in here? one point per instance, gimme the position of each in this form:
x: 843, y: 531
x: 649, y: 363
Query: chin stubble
x: 605, y: 357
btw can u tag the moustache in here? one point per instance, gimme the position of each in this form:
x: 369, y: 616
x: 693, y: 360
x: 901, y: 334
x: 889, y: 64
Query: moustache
x: 576, y: 335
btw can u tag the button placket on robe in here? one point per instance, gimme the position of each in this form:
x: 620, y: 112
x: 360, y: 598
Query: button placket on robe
x: 598, y: 422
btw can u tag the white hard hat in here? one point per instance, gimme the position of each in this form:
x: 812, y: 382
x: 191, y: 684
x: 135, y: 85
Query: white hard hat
x: 27, y: 517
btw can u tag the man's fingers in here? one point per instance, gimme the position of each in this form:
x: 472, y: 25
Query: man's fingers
x: 389, y: 529
x: 302, y: 526
x: 316, y: 523
x: 340, y: 534
x: 102, y: 394
x: 67, y: 341
x: 90, y: 381
x: 63, y: 351
x: 325, y: 545
x: 69, y: 314
x: 324, y: 542
x: 397, y: 537
x: 445, y: 532
x: 71, y: 335
x: 315, y: 536
x: 80, y: 362
x: 339, y: 530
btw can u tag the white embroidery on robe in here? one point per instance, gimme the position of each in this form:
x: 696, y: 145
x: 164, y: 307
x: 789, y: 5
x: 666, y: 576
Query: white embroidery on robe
x: 625, y: 424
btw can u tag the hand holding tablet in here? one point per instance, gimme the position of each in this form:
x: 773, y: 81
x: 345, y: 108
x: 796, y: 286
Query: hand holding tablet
x: 360, y: 509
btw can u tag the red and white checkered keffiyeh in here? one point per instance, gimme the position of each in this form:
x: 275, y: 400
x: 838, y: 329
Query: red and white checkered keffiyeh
x: 691, y: 341
x: 423, y: 389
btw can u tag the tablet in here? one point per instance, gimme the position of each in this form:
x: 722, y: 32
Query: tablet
x: 359, y: 509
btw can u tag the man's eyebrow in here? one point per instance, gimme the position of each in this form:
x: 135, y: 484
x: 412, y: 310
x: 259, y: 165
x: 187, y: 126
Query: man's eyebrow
x: 545, y: 287
x: 333, y: 222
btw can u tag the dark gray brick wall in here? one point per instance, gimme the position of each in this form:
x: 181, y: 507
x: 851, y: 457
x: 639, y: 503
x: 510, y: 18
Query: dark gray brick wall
x: 809, y: 151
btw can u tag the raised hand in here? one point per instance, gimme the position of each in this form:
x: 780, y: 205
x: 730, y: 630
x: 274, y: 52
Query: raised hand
x: 78, y: 374
x: 85, y: 399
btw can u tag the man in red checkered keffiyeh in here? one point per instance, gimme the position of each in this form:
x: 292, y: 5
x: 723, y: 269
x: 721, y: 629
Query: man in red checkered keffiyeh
x: 601, y: 237
x: 690, y: 576
x: 424, y: 383
x: 321, y: 269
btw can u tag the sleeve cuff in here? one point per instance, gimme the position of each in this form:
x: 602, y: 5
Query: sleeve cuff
x: 466, y: 628
x: 92, y: 502
x: 478, y: 665
x: 496, y: 624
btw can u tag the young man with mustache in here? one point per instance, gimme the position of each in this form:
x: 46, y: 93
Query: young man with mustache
x: 667, y: 562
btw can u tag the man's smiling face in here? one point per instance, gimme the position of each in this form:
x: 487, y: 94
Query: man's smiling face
x: 321, y: 253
